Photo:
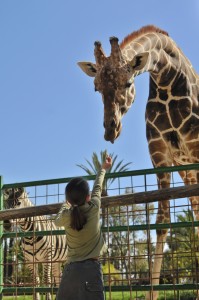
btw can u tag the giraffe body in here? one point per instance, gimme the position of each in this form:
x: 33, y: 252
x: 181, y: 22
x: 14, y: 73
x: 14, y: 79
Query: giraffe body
x: 172, y: 110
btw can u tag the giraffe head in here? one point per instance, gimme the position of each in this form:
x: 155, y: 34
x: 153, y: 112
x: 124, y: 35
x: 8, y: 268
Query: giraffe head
x: 114, y: 79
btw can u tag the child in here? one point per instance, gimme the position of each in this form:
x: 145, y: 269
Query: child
x: 82, y: 275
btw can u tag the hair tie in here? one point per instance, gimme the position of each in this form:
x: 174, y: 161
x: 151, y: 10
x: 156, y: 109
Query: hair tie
x: 74, y: 205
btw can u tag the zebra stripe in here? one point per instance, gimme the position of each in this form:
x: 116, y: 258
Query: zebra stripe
x: 51, y: 251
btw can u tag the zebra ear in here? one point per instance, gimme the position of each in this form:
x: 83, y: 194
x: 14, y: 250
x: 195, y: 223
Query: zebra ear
x: 139, y: 61
x: 6, y: 193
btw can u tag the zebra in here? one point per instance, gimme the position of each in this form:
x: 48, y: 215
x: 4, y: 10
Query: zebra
x: 51, y: 251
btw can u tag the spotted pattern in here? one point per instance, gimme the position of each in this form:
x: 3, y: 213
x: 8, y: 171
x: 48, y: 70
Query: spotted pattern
x: 172, y: 113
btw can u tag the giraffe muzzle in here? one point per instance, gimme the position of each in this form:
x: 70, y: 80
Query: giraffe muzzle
x: 111, y: 134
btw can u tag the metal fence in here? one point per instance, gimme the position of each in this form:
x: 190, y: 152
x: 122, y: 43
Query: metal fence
x: 128, y: 217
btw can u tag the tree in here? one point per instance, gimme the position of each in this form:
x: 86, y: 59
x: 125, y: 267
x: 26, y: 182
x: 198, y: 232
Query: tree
x: 181, y: 257
x: 94, y: 166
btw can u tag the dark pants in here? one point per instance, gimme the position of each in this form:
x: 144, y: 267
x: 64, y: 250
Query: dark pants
x: 81, y: 281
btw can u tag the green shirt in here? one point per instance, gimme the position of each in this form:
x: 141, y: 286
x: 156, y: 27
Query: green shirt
x: 88, y: 242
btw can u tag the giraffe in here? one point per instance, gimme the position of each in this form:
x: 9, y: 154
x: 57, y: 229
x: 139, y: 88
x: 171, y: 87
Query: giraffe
x: 172, y: 112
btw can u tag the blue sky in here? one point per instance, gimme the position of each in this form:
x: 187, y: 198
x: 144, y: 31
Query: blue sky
x: 51, y: 118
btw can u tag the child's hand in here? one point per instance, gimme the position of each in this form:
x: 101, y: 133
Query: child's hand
x: 68, y: 205
x: 108, y: 163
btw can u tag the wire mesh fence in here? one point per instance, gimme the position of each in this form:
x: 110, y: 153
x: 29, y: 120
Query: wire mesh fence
x: 34, y: 250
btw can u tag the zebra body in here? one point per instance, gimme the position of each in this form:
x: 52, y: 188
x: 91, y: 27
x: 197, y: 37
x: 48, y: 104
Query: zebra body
x: 50, y: 250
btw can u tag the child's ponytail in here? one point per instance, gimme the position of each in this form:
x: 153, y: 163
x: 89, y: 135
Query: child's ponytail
x: 78, y: 218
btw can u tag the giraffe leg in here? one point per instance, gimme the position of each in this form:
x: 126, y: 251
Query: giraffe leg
x: 192, y: 177
x: 163, y: 216
x: 195, y: 208
x: 158, y: 256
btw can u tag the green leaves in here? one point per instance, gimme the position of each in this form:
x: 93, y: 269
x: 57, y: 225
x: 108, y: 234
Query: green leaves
x: 95, y: 164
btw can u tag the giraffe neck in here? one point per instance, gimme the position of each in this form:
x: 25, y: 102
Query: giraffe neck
x: 167, y: 64
x: 172, y: 108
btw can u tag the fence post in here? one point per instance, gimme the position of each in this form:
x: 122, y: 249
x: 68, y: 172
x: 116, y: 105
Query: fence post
x: 1, y: 240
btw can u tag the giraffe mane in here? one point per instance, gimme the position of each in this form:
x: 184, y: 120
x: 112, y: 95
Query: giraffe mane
x: 146, y: 29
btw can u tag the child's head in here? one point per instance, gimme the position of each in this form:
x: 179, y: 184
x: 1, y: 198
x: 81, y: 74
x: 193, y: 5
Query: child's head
x: 77, y: 191
x: 77, y: 194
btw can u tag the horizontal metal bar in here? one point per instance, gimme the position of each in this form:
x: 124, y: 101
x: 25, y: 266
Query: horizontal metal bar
x: 28, y: 290
x: 108, y: 175
x: 160, y: 287
x: 108, y: 229
x: 118, y: 288
x: 109, y: 201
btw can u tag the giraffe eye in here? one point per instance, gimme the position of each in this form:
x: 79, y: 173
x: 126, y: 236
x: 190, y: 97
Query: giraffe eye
x: 128, y: 84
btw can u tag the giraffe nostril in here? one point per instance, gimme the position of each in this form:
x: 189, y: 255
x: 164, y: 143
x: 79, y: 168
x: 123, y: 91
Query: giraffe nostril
x: 123, y: 110
x: 113, y: 124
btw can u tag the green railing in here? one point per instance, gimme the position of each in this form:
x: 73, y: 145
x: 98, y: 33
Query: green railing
x: 109, y: 175
x: 130, y: 174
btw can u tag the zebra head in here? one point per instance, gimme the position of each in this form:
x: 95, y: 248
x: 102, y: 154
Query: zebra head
x: 13, y: 197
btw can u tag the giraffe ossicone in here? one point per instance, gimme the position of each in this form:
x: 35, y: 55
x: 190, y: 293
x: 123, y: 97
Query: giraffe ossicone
x: 172, y: 110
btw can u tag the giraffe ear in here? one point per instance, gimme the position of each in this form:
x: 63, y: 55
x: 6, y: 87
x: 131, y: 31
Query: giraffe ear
x: 139, y: 61
x: 88, y: 68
